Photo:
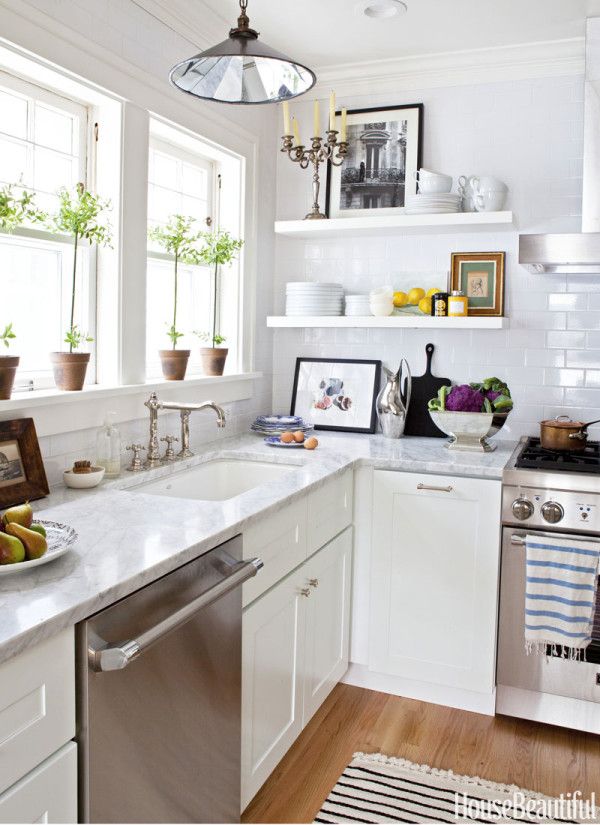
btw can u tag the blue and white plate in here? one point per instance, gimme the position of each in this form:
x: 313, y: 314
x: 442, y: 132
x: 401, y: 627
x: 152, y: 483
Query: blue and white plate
x: 274, y: 441
x: 278, y: 420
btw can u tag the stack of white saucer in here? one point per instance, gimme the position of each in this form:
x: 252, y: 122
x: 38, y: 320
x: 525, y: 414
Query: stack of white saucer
x: 314, y: 299
x: 435, y: 203
x: 357, y: 305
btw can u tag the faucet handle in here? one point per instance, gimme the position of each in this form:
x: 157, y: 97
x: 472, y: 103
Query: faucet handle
x: 169, y: 452
x: 136, y: 462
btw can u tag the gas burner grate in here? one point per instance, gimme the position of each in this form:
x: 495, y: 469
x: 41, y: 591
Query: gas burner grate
x: 534, y: 457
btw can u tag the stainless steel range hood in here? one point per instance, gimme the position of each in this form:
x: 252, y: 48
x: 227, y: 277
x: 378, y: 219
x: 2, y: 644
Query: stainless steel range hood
x: 577, y: 252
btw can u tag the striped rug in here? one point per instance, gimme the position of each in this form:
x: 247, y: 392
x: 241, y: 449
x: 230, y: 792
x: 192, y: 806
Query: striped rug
x: 377, y: 788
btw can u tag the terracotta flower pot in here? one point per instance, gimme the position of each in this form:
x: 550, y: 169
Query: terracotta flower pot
x: 8, y: 369
x: 69, y: 369
x: 174, y: 363
x: 213, y: 360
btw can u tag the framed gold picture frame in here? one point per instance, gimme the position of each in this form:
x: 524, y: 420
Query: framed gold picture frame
x: 480, y: 275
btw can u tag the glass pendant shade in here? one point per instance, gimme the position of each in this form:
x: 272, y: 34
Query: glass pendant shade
x: 242, y: 70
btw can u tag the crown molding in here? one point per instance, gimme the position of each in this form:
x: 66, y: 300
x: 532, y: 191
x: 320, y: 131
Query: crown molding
x: 554, y: 58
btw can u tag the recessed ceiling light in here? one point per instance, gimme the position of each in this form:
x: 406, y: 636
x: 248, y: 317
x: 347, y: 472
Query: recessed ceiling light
x: 381, y: 9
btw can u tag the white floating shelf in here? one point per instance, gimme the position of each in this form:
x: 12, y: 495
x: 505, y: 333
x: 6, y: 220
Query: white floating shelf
x: 397, y: 224
x: 389, y: 322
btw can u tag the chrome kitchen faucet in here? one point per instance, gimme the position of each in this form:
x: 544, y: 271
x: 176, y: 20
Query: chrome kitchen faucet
x: 154, y: 405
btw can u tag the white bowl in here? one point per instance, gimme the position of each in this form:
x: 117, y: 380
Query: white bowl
x: 441, y: 184
x: 382, y: 309
x: 84, y: 481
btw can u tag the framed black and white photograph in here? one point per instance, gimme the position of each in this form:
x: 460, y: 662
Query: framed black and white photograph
x: 337, y: 393
x: 379, y: 170
x: 22, y: 474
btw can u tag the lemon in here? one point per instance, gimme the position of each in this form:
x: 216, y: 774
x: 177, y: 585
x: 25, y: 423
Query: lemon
x: 415, y: 295
x: 433, y: 292
x: 400, y: 299
x: 425, y: 305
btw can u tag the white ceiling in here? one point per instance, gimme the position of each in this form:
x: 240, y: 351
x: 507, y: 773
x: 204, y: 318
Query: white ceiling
x: 330, y: 32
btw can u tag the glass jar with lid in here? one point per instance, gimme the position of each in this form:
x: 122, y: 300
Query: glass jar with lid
x: 458, y: 304
x: 108, y: 447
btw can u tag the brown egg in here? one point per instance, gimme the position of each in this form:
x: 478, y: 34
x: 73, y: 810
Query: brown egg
x: 287, y: 437
x: 311, y: 443
x: 298, y: 436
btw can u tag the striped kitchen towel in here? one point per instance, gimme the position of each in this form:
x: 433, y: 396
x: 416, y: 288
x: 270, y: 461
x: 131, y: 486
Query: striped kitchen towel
x: 560, y: 594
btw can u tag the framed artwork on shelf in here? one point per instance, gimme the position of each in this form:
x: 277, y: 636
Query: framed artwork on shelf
x: 384, y: 152
x: 22, y: 474
x: 337, y: 393
x: 480, y: 275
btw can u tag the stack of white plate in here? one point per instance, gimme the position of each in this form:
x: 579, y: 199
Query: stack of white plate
x: 314, y: 299
x: 426, y: 204
x: 357, y: 305
x: 277, y: 424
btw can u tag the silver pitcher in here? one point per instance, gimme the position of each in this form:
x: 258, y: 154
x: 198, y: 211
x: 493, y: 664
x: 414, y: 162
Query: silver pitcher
x: 393, y: 401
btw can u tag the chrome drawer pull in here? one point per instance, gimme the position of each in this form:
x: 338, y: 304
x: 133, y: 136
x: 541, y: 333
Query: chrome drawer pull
x: 447, y: 489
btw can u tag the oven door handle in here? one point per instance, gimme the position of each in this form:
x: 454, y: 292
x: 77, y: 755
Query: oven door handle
x: 519, y: 539
x: 116, y: 657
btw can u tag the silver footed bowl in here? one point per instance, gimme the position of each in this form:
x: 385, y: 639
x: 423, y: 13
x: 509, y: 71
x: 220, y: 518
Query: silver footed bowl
x: 469, y: 431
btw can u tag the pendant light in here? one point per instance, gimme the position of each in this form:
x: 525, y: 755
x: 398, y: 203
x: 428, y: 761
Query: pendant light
x: 242, y: 70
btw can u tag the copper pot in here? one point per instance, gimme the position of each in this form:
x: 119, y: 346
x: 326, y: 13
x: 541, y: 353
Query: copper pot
x: 563, y: 434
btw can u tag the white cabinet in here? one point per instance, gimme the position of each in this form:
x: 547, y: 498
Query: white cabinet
x: 272, y: 657
x: 329, y: 510
x: 327, y: 621
x: 295, y: 649
x: 434, y: 579
x: 37, y: 705
x: 47, y: 794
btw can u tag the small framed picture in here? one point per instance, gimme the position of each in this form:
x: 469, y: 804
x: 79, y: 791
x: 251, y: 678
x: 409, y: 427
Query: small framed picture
x: 384, y: 152
x: 22, y: 474
x: 480, y: 275
x: 337, y: 393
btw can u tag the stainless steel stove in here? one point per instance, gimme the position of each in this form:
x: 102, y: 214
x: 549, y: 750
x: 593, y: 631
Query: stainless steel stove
x: 546, y: 494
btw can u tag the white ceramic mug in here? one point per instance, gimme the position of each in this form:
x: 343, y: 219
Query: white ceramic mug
x: 465, y: 190
x: 432, y: 182
x: 489, y: 194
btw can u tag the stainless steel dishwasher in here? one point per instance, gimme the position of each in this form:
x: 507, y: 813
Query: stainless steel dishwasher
x: 159, y: 697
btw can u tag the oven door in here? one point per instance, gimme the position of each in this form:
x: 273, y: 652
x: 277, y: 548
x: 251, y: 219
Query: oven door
x: 542, y: 674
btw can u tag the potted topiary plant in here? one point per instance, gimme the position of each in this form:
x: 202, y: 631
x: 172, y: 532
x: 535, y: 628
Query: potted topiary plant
x: 220, y: 248
x: 179, y: 238
x: 79, y: 215
x: 15, y: 210
x: 8, y: 364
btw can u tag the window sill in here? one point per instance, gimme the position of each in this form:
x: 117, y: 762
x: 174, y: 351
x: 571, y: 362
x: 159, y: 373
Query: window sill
x: 87, y: 410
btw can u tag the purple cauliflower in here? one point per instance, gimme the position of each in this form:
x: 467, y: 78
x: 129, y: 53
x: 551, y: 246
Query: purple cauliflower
x: 464, y: 399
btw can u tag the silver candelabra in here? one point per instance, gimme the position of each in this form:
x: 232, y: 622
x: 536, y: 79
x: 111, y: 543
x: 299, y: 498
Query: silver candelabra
x: 331, y: 150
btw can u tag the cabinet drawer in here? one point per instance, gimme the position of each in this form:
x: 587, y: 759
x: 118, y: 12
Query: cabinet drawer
x: 329, y: 511
x: 47, y: 794
x: 37, y: 705
x: 280, y: 541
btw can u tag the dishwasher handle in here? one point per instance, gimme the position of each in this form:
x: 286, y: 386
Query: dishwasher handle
x: 117, y: 657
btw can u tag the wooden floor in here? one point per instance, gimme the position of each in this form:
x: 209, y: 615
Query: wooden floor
x: 536, y: 757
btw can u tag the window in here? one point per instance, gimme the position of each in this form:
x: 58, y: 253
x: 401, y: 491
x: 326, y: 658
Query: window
x: 43, y: 146
x: 180, y: 182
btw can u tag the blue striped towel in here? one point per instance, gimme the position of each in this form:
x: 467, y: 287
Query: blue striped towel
x: 560, y: 594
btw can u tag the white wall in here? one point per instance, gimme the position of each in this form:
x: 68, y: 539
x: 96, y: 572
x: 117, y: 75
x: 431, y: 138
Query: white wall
x: 117, y: 44
x: 528, y: 133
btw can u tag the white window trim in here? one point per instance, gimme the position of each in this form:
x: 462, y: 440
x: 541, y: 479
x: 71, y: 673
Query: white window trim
x: 93, y: 75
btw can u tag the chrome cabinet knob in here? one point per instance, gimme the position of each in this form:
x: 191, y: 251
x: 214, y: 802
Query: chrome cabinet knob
x: 305, y: 591
x: 522, y: 509
x: 314, y: 583
x: 552, y: 512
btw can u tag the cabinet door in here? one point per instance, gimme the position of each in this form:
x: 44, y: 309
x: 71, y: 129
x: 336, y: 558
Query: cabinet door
x: 272, y: 660
x: 434, y: 579
x: 328, y: 577
x: 47, y: 794
x: 329, y: 510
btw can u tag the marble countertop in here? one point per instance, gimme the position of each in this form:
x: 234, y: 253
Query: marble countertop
x: 129, y: 538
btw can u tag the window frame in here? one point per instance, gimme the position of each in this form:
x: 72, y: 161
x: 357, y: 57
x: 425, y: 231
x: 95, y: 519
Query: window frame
x: 30, y: 91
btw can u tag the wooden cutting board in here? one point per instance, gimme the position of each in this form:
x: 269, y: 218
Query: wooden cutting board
x: 424, y: 388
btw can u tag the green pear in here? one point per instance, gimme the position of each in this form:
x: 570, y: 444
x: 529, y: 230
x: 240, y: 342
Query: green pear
x: 39, y: 528
x: 23, y: 514
x: 35, y: 544
x: 11, y: 549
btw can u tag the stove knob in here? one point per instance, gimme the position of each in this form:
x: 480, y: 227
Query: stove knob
x: 522, y: 509
x: 552, y: 512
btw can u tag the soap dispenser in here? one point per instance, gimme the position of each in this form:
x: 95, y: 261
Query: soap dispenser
x: 108, y: 446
